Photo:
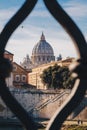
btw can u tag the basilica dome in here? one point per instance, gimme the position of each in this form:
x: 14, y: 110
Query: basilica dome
x: 42, y: 52
x: 42, y: 47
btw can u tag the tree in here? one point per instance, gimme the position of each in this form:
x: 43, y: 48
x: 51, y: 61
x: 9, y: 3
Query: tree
x: 47, y: 77
x: 57, y: 77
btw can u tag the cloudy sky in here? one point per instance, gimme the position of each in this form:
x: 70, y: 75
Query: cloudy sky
x: 23, y: 39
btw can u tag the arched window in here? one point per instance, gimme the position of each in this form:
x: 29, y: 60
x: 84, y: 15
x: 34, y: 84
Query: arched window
x: 48, y: 58
x: 23, y: 78
x: 25, y: 67
x: 39, y: 59
x: 43, y: 58
x: 17, y: 78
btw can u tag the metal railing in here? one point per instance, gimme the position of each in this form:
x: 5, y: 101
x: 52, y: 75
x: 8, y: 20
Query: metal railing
x: 78, y: 68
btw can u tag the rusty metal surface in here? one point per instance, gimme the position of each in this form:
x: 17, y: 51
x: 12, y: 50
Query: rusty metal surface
x: 79, y: 67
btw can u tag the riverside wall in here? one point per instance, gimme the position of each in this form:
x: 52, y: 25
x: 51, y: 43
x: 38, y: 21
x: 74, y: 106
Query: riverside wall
x: 43, y: 104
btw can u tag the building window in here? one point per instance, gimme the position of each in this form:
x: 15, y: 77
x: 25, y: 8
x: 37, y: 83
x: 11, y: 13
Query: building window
x: 23, y: 78
x: 17, y: 78
x: 25, y: 67
x: 47, y: 58
x: 39, y: 58
x: 43, y: 58
x: 14, y: 67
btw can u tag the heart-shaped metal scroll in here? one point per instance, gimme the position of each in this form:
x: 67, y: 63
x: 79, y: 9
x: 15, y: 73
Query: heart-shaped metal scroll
x: 5, y: 66
x: 79, y: 67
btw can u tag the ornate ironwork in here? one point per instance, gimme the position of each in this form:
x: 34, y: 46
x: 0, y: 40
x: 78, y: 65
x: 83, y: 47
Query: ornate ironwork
x: 79, y: 67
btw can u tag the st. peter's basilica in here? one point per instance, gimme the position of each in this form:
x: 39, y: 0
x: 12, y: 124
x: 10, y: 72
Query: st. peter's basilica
x: 42, y: 53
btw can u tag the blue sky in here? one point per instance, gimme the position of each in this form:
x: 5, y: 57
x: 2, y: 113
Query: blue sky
x: 23, y: 39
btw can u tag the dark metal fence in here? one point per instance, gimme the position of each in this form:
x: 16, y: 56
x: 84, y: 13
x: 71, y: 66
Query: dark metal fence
x: 78, y: 69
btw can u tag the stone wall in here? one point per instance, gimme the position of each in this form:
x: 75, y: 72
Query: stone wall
x: 43, y: 104
x: 32, y: 100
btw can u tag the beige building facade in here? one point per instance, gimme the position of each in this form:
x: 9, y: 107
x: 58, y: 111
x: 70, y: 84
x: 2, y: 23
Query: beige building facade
x: 34, y: 76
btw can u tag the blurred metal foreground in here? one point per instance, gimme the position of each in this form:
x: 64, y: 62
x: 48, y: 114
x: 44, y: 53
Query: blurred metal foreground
x: 79, y: 68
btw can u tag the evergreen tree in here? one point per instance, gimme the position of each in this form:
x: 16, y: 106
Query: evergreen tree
x: 57, y: 77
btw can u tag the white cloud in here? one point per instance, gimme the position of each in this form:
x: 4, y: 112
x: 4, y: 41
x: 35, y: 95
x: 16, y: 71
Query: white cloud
x: 64, y: 47
x: 41, y: 14
x: 6, y: 15
x: 76, y: 8
x: 19, y: 48
x: 24, y: 39
x: 27, y: 32
x: 60, y: 42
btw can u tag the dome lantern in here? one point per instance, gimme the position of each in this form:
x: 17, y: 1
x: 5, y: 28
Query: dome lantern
x: 42, y: 37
